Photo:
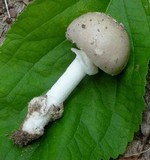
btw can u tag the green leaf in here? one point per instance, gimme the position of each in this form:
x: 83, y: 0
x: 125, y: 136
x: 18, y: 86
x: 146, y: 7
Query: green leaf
x: 102, y: 113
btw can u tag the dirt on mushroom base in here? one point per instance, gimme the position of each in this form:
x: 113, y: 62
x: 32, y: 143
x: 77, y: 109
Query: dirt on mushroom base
x: 139, y: 148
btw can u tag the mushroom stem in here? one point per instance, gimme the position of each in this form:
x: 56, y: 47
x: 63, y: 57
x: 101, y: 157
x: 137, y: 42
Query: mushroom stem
x: 49, y: 107
x: 76, y: 71
x: 67, y: 82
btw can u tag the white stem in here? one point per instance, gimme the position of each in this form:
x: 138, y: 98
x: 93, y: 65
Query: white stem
x: 67, y: 82
x: 49, y: 107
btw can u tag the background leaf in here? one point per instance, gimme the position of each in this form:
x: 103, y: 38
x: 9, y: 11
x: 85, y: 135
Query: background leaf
x: 102, y: 113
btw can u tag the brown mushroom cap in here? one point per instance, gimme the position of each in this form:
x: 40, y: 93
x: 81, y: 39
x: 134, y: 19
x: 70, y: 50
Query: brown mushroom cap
x: 103, y: 39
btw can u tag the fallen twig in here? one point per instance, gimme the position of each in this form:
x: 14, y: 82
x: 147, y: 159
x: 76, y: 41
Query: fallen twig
x: 136, y: 154
x: 6, y: 5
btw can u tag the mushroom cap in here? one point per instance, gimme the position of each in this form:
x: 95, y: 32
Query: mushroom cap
x: 103, y: 39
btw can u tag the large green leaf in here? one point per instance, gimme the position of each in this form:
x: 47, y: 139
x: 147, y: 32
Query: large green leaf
x: 102, y: 113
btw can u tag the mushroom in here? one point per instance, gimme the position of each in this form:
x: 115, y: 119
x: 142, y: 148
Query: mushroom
x: 102, y: 43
